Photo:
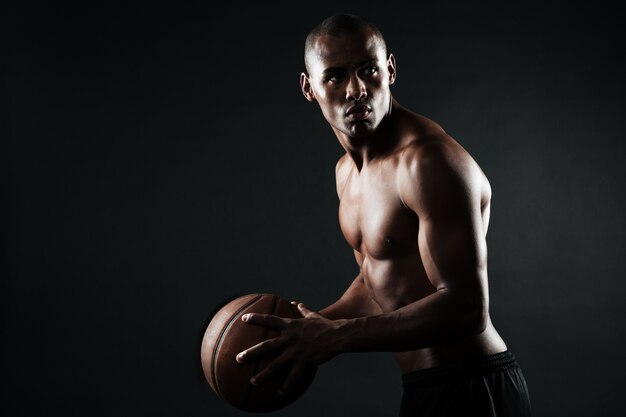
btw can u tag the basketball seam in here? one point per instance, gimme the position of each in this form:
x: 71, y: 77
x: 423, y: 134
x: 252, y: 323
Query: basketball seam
x: 221, y: 338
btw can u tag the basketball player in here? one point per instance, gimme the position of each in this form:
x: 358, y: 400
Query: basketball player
x: 414, y: 205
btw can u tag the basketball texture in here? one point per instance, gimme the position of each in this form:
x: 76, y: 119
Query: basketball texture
x: 227, y: 335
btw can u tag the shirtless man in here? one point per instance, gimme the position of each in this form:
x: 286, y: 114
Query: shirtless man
x: 414, y: 206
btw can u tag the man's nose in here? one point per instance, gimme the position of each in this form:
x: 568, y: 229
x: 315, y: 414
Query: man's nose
x: 355, y: 90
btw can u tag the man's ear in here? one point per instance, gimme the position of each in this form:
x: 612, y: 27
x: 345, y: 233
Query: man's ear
x: 391, y: 67
x: 305, y: 85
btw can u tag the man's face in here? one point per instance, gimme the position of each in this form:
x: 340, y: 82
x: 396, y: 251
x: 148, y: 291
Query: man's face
x: 349, y: 77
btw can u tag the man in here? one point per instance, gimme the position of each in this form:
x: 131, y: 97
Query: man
x: 414, y: 206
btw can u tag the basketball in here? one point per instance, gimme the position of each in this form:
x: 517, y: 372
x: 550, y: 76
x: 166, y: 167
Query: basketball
x: 227, y: 335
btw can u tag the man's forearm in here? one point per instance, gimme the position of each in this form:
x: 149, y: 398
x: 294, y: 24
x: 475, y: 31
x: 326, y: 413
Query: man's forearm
x: 439, y: 318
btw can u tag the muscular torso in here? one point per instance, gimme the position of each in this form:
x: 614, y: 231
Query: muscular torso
x: 383, y: 231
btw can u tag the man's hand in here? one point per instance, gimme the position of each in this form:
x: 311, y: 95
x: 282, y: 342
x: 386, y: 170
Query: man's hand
x: 303, y: 343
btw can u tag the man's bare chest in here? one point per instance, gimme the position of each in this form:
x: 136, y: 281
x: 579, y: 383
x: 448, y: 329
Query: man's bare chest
x: 374, y: 220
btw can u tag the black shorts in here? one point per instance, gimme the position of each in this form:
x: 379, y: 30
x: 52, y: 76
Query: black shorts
x: 493, y: 386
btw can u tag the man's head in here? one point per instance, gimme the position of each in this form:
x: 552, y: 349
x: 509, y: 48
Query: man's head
x: 339, y: 25
x: 348, y: 72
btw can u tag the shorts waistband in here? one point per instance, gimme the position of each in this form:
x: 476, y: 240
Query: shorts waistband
x: 489, y: 364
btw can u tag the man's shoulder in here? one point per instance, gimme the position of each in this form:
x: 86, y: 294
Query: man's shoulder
x: 423, y: 138
x: 343, y: 167
x: 435, y: 160
x: 342, y: 170
x: 433, y: 149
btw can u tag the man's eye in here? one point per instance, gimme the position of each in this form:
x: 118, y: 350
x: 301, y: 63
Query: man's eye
x: 371, y: 70
x: 334, y: 78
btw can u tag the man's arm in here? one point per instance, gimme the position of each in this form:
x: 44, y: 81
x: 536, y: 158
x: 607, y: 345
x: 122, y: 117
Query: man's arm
x: 441, y: 185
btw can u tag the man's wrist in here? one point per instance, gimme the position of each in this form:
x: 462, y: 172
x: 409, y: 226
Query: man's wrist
x: 344, y: 332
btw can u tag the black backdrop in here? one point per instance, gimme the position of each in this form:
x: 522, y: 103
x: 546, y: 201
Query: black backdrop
x: 160, y: 159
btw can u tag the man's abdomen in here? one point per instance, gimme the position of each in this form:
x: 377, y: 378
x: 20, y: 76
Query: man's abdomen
x: 394, y: 283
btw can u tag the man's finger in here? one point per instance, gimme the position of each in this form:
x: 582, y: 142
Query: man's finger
x: 294, y: 375
x: 266, y: 320
x: 263, y: 348
x: 275, y: 365
x: 305, y: 311
x: 296, y: 304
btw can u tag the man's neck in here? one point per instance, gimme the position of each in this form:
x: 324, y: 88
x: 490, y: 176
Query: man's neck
x: 382, y: 141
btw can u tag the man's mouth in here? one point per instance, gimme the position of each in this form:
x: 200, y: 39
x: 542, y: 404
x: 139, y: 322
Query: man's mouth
x: 358, y: 112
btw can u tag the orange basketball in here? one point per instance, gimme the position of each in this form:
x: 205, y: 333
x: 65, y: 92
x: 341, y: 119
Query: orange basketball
x: 227, y: 335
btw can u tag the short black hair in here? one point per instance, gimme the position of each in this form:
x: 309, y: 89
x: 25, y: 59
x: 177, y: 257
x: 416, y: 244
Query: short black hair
x: 337, y: 25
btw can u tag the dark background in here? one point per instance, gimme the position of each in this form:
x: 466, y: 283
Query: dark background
x: 158, y: 160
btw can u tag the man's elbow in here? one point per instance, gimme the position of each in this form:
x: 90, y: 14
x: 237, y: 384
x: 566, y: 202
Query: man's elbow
x: 471, y: 310
x: 477, y: 314
x: 474, y: 312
